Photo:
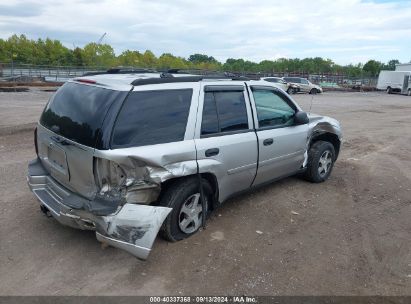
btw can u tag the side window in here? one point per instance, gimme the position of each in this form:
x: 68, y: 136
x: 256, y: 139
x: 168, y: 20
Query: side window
x: 152, y: 117
x: 224, y: 112
x: 304, y: 81
x: 273, y: 109
x: 210, y: 124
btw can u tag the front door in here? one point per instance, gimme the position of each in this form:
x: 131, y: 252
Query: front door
x: 282, y: 144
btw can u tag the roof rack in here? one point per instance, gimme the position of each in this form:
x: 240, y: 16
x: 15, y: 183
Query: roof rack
x: 168, y: 78
x: 201, y: 72
x: 122, y: 70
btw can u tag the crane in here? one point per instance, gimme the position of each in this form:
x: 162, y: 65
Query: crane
x: 101, y: 38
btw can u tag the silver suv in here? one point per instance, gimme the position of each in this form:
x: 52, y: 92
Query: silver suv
x: 129, y: 155
x: 282, y: 84
x: 303, y: 85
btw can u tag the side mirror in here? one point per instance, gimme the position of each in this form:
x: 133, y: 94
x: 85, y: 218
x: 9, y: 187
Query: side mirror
x: 301, y: 118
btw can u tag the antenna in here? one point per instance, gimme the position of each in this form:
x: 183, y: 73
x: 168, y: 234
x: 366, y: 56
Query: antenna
x: 311, y: 104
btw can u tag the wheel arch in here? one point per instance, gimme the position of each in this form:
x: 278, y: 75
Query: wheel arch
x: 329, y: 137
x: 209, y: 177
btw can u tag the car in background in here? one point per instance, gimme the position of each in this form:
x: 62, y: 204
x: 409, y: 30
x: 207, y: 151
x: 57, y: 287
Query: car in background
x: 304, y: 85
x: 282, y: 84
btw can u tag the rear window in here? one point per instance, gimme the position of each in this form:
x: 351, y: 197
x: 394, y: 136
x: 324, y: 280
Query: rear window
x: 77, y: 111
x: 273, y: 80
x: 152, y: 117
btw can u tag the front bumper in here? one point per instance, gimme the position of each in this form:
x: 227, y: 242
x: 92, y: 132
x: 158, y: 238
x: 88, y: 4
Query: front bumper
x: 131, y: 227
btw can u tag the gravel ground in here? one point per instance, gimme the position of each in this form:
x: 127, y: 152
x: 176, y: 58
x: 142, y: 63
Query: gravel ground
x: 351, y: 235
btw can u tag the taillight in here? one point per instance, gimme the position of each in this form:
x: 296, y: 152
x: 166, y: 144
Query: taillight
x: 35, y: 141
x: 85, y: 80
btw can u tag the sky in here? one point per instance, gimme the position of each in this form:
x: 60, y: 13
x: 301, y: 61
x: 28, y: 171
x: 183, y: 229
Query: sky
x: 345, y: 31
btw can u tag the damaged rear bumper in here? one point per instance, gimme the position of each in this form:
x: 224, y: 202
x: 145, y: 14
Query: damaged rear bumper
x: 131, y: 227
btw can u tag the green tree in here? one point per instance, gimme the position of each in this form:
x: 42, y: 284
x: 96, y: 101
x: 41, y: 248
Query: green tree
x: 78, y: 57
x: 53, y: 52
x: 391, y: 65
x: 149, y: 60
x: 101, y: 55
x: 372, y: 68
x: 130, y: 58
x: 168, y: 61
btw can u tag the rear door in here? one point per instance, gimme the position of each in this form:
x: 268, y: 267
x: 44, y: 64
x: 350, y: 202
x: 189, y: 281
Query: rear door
x: 406, y: 83
x: 225, y: 139
x: 282, y: 145
x: 305, y: 85
x: 68, y: 131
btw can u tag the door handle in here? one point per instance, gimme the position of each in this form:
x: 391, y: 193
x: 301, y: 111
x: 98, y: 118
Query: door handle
x: 268, y: 141
x: 212, y: 152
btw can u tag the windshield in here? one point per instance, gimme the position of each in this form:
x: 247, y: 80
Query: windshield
x: 77, y: 111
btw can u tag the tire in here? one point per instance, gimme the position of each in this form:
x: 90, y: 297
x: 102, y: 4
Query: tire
x: 290, y: 90
x: 389, y: 90
x: 409, y: 92
x: 180, y: 196
x: 313, y: 91
x: 318, y: 170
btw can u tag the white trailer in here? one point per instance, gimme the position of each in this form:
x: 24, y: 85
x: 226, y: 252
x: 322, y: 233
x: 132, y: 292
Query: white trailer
x: 395, y: 82
x: 403, y: 67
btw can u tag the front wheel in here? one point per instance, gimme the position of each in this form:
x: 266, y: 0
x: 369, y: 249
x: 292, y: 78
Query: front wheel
x: 313, y: 91
x: 290, y: 90
x: 389, y: 90
x: 321, y: 158
x: 186, y: 217
x: 409, y: 92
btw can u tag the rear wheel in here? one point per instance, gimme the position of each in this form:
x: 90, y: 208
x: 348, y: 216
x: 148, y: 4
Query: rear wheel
x: 321, y: 158
x: 186, y: 217
x: 409, y: 92
x: 389, y: 90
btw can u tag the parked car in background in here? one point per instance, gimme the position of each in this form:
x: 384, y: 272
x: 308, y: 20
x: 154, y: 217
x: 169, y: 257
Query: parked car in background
x: 282, y: 84
x: 133, y: 154
x: 304, y: 85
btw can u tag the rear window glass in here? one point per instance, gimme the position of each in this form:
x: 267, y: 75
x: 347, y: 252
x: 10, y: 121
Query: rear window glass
x: 152, y: 117
x: 272, y: 80
x: 77, y: 111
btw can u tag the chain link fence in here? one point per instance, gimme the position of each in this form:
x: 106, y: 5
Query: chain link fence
x: 30, y: 73
x: 326, y: 80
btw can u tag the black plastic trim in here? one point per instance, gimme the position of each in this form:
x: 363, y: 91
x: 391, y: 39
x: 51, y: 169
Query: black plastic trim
x: 224, y: 88
x: 147, y: 81
x: 226, y: 133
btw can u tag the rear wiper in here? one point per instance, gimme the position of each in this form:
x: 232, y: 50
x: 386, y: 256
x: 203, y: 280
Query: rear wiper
x: 61, y: 141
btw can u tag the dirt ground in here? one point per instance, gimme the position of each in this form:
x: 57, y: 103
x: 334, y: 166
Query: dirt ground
x: 351, y: 236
